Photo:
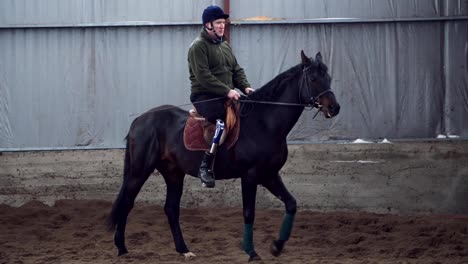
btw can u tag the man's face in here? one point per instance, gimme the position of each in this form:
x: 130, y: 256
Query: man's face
x: 218, y: 26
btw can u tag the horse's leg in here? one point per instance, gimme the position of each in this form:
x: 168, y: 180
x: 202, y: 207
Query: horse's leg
x: 175, y: 184
x: 276, y: 186
x: 124, y: 204
x: 136, y: 172
x: 249, y: 196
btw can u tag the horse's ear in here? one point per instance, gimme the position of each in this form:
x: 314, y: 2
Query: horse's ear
x: 304, y: 58
x: 318, y: 57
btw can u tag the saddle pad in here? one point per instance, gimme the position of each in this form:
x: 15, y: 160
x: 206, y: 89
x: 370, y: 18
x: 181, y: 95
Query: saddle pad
x: 194, y: 134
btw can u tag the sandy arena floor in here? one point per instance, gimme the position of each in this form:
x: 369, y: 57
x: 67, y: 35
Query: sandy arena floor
x: 74, y: 232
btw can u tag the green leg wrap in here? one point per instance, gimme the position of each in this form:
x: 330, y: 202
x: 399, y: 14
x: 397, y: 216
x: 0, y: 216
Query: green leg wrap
x: 286, y: 227
x: 247, y: 243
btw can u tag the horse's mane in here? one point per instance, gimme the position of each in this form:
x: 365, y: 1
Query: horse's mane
x: 276, y: 86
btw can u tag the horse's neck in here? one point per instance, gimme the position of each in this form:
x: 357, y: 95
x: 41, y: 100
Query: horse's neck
x: 281, y: 118
x: 285, y: 117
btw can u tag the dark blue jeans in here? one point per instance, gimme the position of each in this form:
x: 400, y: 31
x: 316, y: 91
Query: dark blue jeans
x: 210, y: 106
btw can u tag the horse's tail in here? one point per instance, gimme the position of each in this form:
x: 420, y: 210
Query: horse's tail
x: 119, y: 201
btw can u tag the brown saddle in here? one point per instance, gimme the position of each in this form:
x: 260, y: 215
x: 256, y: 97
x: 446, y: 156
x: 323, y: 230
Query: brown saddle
x: 198, y: 133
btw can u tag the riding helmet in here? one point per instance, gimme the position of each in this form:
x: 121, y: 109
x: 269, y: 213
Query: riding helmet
x: 211, y: 13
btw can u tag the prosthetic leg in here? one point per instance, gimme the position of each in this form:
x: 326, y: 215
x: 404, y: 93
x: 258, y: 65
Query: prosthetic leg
x: 205, y: 173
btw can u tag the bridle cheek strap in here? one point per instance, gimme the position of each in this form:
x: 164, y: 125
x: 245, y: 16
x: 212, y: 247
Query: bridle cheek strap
x: 314, y: 99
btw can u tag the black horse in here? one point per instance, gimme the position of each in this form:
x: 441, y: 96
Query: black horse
x: 155, y: 141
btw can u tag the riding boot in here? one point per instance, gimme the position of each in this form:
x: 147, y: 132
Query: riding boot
x: 205, y: 173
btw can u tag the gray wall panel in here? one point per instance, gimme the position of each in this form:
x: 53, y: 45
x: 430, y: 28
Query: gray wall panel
x: 83, y: 12
x: 81, y: 87
x: 388, y: 82
x: 456, y: 7
x: 336, y: 9
x: 456, y: 70
x: 59, y: 12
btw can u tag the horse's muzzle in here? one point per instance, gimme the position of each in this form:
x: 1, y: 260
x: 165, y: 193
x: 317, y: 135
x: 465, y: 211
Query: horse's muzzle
x: 332, y: 110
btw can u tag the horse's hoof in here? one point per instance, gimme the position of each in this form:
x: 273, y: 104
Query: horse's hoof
x: 189, y: 255
x: 254, y: 257
x: 276, y: 248
x: 122, y: 251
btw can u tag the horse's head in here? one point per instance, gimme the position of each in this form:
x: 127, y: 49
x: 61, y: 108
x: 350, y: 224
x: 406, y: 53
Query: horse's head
x: 315, y: 86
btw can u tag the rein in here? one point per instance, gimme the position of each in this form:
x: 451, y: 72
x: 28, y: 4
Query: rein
x: 314, y: 99
x: 246, y: 99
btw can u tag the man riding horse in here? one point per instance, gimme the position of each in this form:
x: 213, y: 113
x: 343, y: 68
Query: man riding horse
x: 214, y: 73
x: 155, y: 140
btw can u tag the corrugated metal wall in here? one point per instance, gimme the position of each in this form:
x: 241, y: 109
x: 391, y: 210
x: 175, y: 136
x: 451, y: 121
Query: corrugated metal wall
x: 336, y: 9
x: 76, y: 73
x: 82, y: 86
x: 99, y: 12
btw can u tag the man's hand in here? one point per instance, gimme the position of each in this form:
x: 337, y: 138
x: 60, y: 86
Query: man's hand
x: 233, y: 94
x: 249, y: 90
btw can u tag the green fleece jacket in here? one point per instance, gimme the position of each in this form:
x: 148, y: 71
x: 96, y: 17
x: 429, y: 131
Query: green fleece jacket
x: 213, y: 67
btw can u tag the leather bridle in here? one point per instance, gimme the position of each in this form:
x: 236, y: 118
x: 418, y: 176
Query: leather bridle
x: 305, y: 82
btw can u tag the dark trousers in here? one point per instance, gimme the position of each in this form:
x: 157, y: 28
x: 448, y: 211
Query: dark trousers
x: 210, y: 106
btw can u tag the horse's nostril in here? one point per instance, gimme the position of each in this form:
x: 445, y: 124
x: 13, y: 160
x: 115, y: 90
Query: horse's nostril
x: 334, y: 108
